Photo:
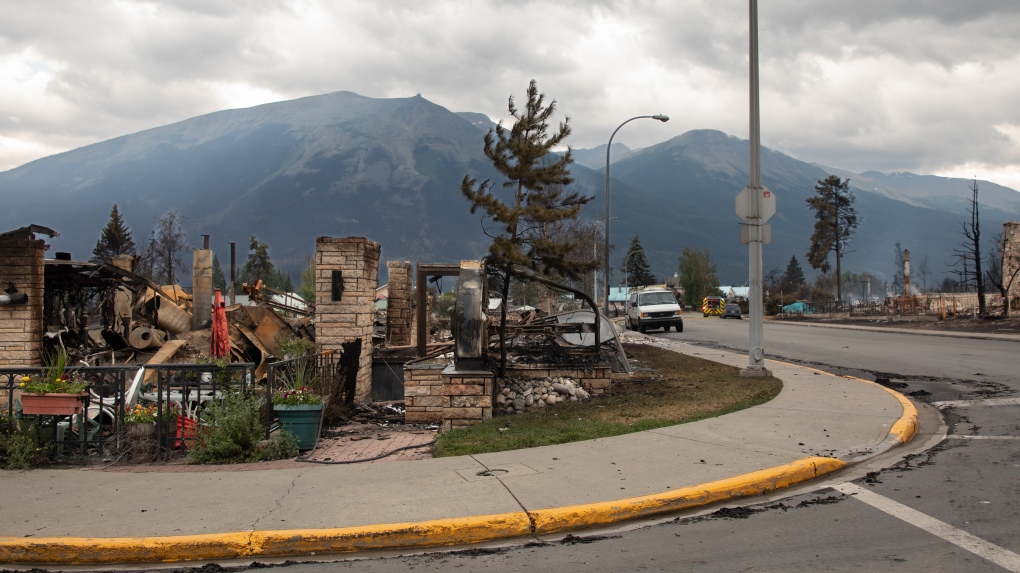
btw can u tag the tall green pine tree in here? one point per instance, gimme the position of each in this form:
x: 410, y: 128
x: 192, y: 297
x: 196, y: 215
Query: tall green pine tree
x: 794, y: 275
x: 115, y: 239
x: 835, y: 223
x: 538, y: 180
x: 635, y: 266
x: 219, y: 281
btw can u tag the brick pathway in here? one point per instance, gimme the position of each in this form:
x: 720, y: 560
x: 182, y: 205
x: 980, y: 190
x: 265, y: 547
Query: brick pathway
x: 364, y: 441
x: 350, y: 443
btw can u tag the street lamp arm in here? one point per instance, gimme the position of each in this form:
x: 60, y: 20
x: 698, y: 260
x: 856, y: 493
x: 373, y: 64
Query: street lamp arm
x: 658, y: 117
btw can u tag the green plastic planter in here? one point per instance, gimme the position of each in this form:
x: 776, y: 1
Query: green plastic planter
x: 301, y: 420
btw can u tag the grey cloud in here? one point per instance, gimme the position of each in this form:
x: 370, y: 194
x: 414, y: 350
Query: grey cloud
x: 837, y: 77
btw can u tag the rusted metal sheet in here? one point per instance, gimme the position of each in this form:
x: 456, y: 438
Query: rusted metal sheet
x: 263, y: 366
x: 269, y: 331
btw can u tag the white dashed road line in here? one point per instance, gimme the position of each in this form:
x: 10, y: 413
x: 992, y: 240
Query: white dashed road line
x: 1001, y: 557
x: 968, y: 437
x: 985, y: 402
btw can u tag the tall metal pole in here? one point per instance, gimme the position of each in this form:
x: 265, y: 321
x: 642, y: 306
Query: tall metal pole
x: 756, y: 342
x: 605, y: 276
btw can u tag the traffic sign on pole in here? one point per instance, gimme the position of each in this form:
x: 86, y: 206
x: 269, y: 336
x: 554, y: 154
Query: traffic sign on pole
x: 762, y: 233
x: 745, y: 204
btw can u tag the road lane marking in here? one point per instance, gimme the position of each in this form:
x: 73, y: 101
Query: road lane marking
x: 970, y: 437
x: 985, y: 402
x: 984, y: 549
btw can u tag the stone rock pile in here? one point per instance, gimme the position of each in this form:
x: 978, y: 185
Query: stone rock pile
x: 515, y: 395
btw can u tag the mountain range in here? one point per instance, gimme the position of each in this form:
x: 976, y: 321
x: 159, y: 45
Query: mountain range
x: 342, y: 164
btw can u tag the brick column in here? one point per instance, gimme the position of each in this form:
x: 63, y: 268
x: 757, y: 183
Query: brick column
x: 1011, y: 247
x: 398, y: 306
x: 21, y: 325
x: 346, y: 276
x: 470, y: 395
x: 424, y: 398
x: 201, y: 289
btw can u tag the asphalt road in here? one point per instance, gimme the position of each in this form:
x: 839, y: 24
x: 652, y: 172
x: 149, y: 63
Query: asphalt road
x: 950, y: 506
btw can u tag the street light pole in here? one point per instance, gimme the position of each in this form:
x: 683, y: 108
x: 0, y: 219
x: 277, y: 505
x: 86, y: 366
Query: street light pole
x: 605, y: 282
x: 756, y: 338
x: 626, y: 269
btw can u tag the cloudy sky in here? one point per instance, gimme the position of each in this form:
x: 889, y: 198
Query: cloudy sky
x: 927, y: 86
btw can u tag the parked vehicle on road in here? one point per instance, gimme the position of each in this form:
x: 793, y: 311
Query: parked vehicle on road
x: 732, y: 310
x: 654, y: 308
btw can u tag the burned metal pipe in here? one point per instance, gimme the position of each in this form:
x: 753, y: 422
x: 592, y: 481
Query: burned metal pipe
x: 17, y: 298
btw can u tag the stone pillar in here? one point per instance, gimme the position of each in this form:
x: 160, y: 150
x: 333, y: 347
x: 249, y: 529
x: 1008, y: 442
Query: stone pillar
x: 398, y: 306
x: 424, y: 398
x: 1011, y: 248
x: 201, y: 290
x: 470, y: 395
x: 21, y: 325
x: 346, y: 276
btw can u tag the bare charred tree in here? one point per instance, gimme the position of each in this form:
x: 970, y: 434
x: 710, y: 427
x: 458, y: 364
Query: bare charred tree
x: 835, y: 223
x: 1003, y: 272
x: 586, y: 246
x: 924, y: 272
x: 969, y: 253
x: 538, y: 196
x: 163, y: 257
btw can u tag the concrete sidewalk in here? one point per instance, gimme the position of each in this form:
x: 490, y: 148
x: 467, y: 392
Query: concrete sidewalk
x: 818, y: 424
x: 892, y: 329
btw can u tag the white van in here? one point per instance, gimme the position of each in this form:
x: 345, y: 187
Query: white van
x: 654, y: 308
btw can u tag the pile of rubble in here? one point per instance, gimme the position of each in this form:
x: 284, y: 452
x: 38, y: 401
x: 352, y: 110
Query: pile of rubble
x: 515, y: 395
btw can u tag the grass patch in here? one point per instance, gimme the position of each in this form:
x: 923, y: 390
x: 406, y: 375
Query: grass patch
x: 667, y: 388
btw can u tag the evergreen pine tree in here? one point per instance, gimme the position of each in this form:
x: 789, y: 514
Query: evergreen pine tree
x: 259, y: 266
x: 635, y: 266
x: 835, y: 223
x: 794, y: 275
x: 115, y: 239
x: 219, y: 281
x: 307, y: 289
x: 538, y: 182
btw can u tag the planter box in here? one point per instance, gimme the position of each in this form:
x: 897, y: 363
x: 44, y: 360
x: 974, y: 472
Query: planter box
x: 53, y: 404
x: 302, y: 420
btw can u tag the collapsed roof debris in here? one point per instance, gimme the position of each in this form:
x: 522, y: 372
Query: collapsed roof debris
x: 101, y: 313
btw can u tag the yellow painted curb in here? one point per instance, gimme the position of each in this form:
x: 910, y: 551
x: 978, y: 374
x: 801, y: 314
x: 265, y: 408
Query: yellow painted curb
x: 86, y: 550
x: 904, y: 429
x: 560, y: 519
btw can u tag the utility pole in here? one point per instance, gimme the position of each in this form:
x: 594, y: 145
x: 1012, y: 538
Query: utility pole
x: 755, y: 205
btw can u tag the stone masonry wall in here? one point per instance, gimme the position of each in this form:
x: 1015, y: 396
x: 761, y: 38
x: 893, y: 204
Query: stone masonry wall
x: 398, y: 306
x: 470, y: 395
x: 424, y: 398
x: 352, y: 316
x: 21, y: 325
x: 594, y: 380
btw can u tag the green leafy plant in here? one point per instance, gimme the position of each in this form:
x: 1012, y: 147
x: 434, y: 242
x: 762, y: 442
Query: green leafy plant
x: 296, y: 397
x: 147, y: 414
x: 295, y: 347
x: 21, y: 449
x: 55, y: 378
x: 281, y: 446
x: 230, y: 432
